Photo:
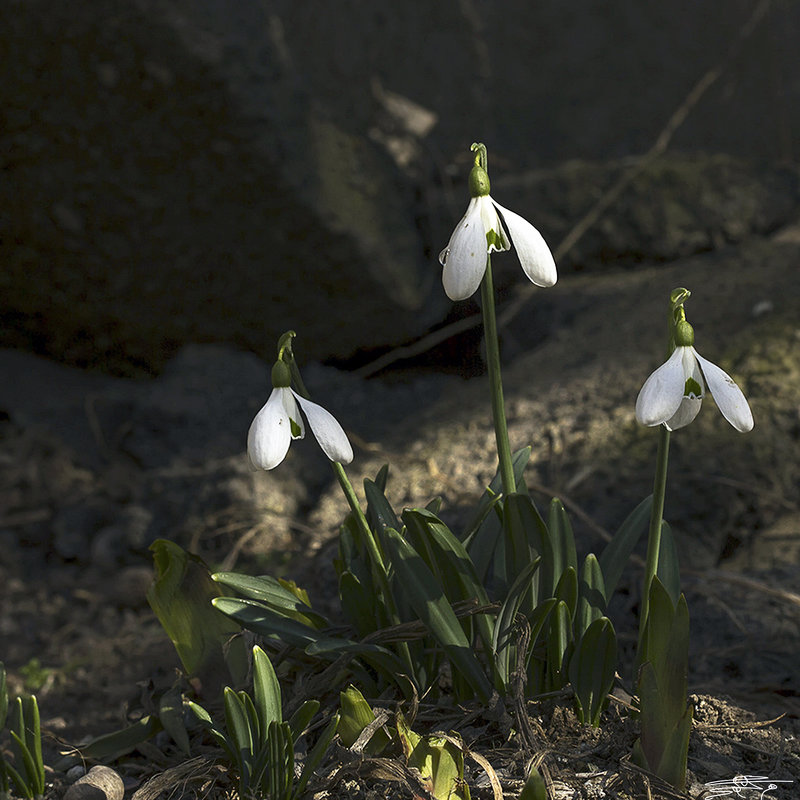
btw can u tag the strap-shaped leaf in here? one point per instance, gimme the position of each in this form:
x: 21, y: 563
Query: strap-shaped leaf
x: 180, y: 596
x: 263, y: 620
x: 266, y: 690
x: 272, y: 593
x: 33, y: 741
x: 535, y: 788
x: 380, y: 513
x: 672, y: 767
x: 301, y: 718
x: 427, y: 598
x: 615, y: 556
x: 238, y: 725
x: 281, y: 761
x: 449, y: 556
x: 482, y: 536
x: 669, y: 570
x: 111, y: 746
x: 360, y: 605
x: 592, y: 668
x: 558, y: 640
x: 170, y: 712
x: 562, y: 538
x: 502, y: 635
x: 519, y: 461
x: 452, y: 566
x: 314, y: 758
x: 526, y: 536
x: 567, y: 590
x: 591, y: 595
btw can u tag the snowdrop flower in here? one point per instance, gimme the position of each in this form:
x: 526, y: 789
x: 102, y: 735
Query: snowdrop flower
x: 672, y: 395
x: 279, y: 421
x: 485, y: 228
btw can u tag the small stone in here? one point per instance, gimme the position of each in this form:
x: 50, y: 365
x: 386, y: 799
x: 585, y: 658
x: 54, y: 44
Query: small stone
x: 75, y: 773
x: 100, y: 783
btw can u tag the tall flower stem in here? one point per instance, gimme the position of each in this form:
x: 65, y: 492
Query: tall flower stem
x: 654, y: 536
x: 370, y: 542
x: 379, y: 568
x: 355, y: 507
x: 496, y: 381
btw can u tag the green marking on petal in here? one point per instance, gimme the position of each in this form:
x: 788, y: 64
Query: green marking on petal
x: 295, y: 428
x: 693, y: 388
x: 493, y: 238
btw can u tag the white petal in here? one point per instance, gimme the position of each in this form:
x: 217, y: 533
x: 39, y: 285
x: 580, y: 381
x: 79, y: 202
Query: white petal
x: 464, y: 258
x: 727, y: 395
x: 687, y: 411
x: 662, y: 393
x: 270, y: 434
x: 298, y: 430
x: 492, y: 222
x: 328, y: 432
x: 534, y: 254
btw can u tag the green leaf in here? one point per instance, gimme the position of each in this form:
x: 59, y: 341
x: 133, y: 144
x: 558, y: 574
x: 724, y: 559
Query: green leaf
x: 266, y: 690
x: 180, y: 597
x: 502, y: 636
x: 526, y: 537
x: 170, y: 713
x: 280, y: 763
x: 380, y: 513
x: 669, y: 570
x: 263, y: 620
x: 665, y: 717
x: 614, y: 557
x: 592, y: 669
x: 535, y: 788
x: 113, y: 745
x: 356, y: 714
x: 481, y: 538
x: 272, y: 593
x: 562, y: 537
x: 26, y: 758
x: 428, y: 601
x: 672, y: 767
x: 359, y: 605
x: 591, y: 595
x: 454, y: 567
x: 301, y: 718
x: 238, y: 726
x: 558, y: 640
x: 567, y: 589
x: 23, y: 788
x: 314, y: 758
x: 31, y: 735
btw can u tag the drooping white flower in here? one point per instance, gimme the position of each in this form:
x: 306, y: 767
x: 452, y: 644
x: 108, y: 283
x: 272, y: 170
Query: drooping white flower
x: 485, y: 228
x: 672, y: 395
x: 279, y: 421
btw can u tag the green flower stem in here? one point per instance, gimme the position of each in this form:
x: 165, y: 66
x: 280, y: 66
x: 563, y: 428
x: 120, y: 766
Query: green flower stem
x: 654, y: 536
x: 355, y: 507
x: 496, y: 381
x: 379, y: 567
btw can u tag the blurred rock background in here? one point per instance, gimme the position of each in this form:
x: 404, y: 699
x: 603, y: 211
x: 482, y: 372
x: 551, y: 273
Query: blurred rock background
x: 180, y: 171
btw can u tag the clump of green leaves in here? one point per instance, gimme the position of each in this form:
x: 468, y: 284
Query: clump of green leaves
x: 258, y: 743
x: 422, y: 602
x: 26, y: 774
